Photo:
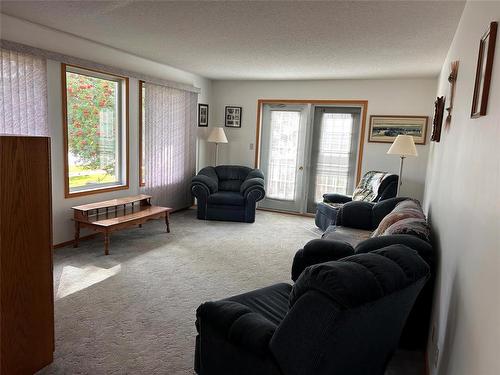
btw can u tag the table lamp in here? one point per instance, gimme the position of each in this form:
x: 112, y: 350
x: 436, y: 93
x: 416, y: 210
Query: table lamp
x: 404, y: 146
x: 217, y: 136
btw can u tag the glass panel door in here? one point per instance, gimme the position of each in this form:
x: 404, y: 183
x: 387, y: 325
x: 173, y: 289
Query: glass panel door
x: 334, y: 152
x: 282, y: 156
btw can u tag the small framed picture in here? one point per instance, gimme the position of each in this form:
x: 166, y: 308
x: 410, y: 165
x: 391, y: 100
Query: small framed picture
x: 483, y: 71
x: 233, y: 117
x: 203, y: 115
x: 385, y: 129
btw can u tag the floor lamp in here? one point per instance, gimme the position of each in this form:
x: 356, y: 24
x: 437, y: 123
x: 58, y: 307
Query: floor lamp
x: 217, y: 136
x: 404, y: 146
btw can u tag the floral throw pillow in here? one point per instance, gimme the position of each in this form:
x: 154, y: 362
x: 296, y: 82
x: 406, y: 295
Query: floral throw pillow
x: 416, y: 227
x: 404, y: 210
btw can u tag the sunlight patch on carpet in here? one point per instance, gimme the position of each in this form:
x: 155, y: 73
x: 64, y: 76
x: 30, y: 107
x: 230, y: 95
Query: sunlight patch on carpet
x: 74, y: 279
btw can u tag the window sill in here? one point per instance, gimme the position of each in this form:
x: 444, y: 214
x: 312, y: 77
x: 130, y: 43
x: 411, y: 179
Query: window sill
x: 82, y: 193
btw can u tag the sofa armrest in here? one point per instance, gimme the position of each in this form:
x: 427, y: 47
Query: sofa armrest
x: 238, y: 324
x: 336, y: 198
x: 253, y: 189
x: 356, y: 214
x: 319, y: 251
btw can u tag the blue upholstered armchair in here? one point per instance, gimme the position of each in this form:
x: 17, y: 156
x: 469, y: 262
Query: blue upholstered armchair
x: 374, y: 187
x: 341, y: 317
x: 228, y: 192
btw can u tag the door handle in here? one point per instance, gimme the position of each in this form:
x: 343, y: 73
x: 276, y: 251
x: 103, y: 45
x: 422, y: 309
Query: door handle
x: 301, y: 168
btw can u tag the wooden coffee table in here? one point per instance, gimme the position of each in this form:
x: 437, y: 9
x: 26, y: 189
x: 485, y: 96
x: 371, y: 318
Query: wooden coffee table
x: 115, y: 214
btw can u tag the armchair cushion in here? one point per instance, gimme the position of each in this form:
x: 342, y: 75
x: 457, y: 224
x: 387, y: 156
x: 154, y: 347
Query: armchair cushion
x: 228, y: 198
x: 231, y: 176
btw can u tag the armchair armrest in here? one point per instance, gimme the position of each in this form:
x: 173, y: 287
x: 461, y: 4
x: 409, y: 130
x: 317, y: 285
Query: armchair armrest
x: 253, y: 188
x: 255, y: 173
x: 238, y: 324
x: 204, y: 182
x: 319, y: 251
x: 336, y: 198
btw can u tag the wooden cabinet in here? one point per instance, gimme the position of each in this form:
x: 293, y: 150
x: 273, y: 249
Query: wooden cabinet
x: 26, y: 283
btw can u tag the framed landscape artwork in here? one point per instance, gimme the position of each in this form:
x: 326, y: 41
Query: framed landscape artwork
x: 483, y: 71
x: 233, y: 117
x: 203, y: 115
x: 385, y: 129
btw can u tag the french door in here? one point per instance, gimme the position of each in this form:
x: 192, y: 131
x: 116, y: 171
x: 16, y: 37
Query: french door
x: 306, y: 151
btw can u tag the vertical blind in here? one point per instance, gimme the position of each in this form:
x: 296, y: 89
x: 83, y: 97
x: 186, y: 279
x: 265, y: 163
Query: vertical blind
x: 23, y: 94
x: 170, y: 144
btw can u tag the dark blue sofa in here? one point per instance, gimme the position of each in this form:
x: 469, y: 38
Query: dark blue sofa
x: 228, y: 192
x: 350, y: 235
x: 343, y: 317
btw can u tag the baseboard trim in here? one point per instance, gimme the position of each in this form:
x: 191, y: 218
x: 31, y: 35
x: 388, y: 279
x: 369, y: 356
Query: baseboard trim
x: 71, y: 242
x: 285, y: 212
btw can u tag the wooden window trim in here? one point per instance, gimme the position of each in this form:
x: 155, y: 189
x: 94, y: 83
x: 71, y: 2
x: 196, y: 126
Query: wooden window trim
x: 142, y: 181
x: 361, y: 103
x: 67, y: 193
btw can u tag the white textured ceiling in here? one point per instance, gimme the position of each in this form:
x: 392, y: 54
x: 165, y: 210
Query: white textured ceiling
x: 264, y: 40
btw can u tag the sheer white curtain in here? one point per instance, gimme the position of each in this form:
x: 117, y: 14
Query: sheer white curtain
x: 23, y: 94
x: 170, y: 144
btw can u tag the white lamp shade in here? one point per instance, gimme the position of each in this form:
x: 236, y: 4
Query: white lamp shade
x: 217, y: 135
x: 403, y: 145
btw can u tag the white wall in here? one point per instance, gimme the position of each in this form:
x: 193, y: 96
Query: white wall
x: 385, y: 97
x: 20, y: 31
x: 462, y: 196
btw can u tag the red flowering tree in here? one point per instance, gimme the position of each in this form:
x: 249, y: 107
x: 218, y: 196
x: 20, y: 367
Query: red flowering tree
x: 88, y: 98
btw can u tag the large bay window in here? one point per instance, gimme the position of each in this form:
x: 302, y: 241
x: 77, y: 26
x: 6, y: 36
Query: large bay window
x: 95, y: 116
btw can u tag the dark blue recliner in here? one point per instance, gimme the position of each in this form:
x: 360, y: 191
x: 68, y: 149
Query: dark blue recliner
x: 343, y: 317
x: 228, y: 192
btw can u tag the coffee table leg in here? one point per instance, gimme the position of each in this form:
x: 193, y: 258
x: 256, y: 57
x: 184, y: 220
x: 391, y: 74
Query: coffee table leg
x: 167, y: 222
x: 106, y: 243
x: 77, y: 233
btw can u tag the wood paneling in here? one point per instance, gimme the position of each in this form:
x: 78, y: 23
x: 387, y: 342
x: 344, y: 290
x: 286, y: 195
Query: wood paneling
x: 26, y: 282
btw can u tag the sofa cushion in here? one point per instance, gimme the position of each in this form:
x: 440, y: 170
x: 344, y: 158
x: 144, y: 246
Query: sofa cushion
x: 226, y: 198
x: 352, y: 236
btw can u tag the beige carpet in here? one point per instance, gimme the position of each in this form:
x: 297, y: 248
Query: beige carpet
x: 133, y: 312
